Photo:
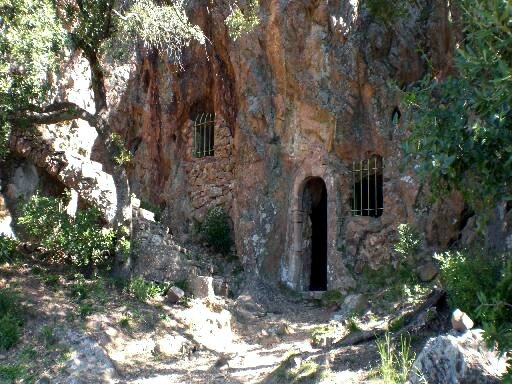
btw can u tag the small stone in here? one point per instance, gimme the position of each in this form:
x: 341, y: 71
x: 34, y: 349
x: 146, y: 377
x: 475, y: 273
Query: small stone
x: 427, y: 272
x: 461, y: 321
x: 175, y: 294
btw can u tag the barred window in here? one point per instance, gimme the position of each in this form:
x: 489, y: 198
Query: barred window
x: 204, y: 125
x: 367, y: 187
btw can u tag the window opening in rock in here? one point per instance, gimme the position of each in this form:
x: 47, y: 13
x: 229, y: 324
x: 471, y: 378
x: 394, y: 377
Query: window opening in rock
x: 204, y: 125
x: 315, y: 208
x: 395, y: 116
x: 367, y: 187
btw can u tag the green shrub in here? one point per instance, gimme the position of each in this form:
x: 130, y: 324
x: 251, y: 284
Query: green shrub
x: 10, y: 373
x: 124, y: 322
x: 143, y: 289
x: 51, y: 280
x: 353, y: 324
x: 217, y: 231
x: 8, y: 252
x: 81, y: 238
x: 47, y: 335
x: 8, y: 301
x: 466, y: 273
x: 10, y: 319
x: 332, y: 297
x: 82, y: 289
x: 85, y: 309
x: 10, y: 331
x: 409, y: 242
x: 496, y: 314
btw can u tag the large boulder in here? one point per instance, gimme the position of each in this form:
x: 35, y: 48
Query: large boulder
x: 457, y: 358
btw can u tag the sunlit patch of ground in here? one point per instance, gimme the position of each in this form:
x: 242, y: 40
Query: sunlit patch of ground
x: 109, y: 336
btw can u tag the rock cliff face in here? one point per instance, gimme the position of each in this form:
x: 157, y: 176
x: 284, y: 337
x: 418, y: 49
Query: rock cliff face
x: 300, y: 105
x: 307, y: 94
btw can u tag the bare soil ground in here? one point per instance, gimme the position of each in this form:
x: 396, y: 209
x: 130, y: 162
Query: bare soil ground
x: 262, y: 336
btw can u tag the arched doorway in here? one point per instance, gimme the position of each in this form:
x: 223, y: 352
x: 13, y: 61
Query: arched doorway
x: 314, y: 233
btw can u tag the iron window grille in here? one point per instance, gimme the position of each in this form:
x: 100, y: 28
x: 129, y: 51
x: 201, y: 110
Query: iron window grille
x: 367, y: 187
x: 204, y: 125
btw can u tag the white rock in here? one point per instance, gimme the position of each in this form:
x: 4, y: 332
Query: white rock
x: 201, y: 287
x: 461, y: 321
x: 458, y: 359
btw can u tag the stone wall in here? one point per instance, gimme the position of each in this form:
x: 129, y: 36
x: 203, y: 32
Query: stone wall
x: 210, y: 178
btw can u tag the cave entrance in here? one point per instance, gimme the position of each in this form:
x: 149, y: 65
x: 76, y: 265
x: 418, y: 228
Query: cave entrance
x: 314, y: 204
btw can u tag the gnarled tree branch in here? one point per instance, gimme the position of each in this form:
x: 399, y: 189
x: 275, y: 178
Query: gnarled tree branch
x: 54, y: 113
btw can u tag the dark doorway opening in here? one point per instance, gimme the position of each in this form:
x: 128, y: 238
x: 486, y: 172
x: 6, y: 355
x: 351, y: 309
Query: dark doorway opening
x: 315, y: 201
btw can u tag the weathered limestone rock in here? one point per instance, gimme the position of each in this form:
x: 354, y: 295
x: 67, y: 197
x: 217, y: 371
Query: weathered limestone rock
x: 77, y: 172
x: 158, y: 257
x: 428, y: 271
x: 458, y: 359
x: 355, y: 303
x: 461, y: 321
x: 172, y: 345
x: 175, y: 294
x: 220, y: 287
x: 201, y: 286
x: 352, y: 304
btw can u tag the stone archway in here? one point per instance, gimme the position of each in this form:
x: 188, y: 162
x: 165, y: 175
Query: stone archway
x: 314, y: 234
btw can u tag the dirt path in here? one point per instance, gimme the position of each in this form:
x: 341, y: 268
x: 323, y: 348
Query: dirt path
x: 125, y: 341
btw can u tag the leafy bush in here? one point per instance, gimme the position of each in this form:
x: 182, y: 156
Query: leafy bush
x: 332, y: 297
x: 217, y: 231
x: 81, y: 238
x: 467, y: 273
x: 8, y: 252
x: 461, y: 138
x: 496, y: 314
x: 82, y: 289
x: 10, y: 319
x: 480, y: 283
x: 9, y: 331
x: 395, y: 366
x: 47, y: 335
x: 143, y: 289
x: 409, y: 242
x: 10, y: 373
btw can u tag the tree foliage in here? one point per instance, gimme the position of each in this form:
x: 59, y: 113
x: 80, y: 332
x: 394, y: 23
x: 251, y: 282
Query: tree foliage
x: 462, y: 131
x: 164, y: 27
x: 31, y: 43
x: 461, y: 140
x: 240, y: 22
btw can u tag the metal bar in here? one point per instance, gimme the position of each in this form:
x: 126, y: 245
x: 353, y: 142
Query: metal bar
x: 204, y: 138
x: 361, y: 186
x: 368, y: 188
x: 194, y: 149
x: 354, y: 189
x: 375, y: 179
